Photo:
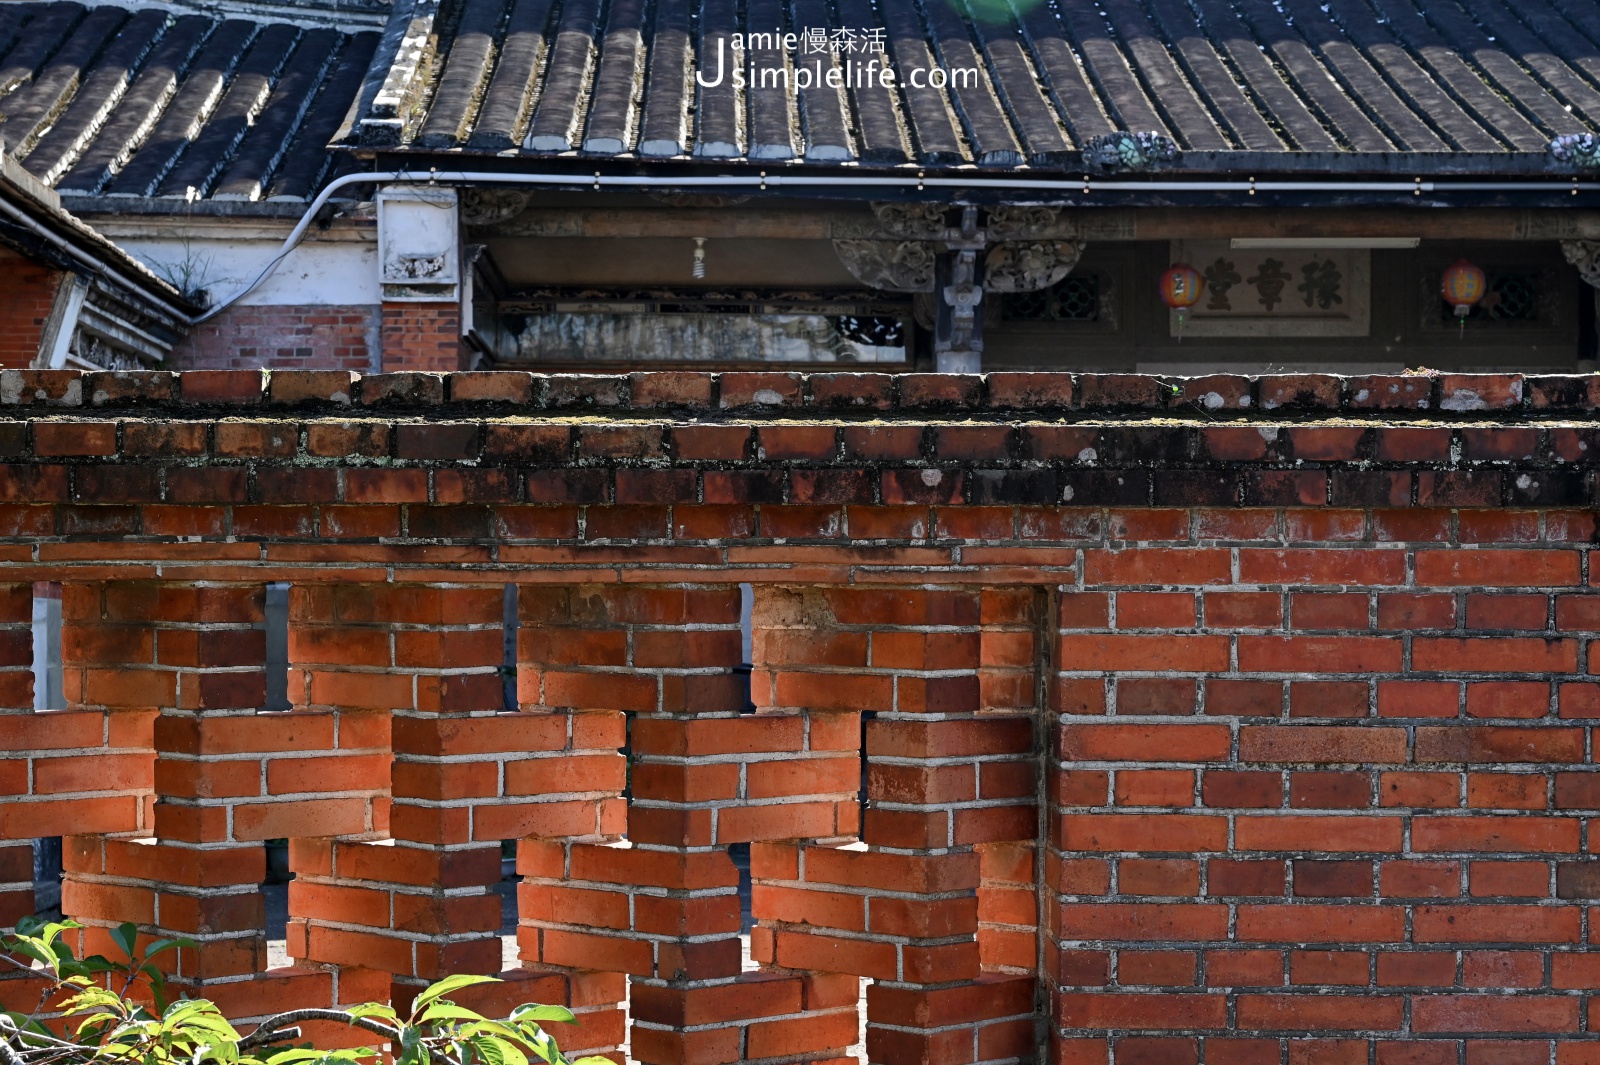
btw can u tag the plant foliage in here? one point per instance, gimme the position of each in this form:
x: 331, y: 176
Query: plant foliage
x: 118, y: 1012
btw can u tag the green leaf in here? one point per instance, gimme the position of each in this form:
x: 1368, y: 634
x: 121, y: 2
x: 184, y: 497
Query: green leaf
x: 488, y: 1050
x: 35, y: 949
x: 374, y: 1009
x: 593, y: 1059
x: 126, y: 935
x: 22, y: 1022
x: 92, y: 997
x: 411, y: 1049
x: 493, y: 1051
x: 534, y: 1012
x: 292, y: 1055
x: 499, y: 1029
x: 449, y: 984
x: 541, y: 1044
x: 162, y: 945
x: 449, y: 1011
x: 288, y: 1057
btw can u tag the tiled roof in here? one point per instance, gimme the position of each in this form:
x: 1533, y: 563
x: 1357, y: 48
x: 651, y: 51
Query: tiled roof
x: 1352, y: 85
x: 152, y: 102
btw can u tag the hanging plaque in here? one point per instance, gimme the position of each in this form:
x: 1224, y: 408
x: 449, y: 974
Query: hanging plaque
x: 1276, y: 292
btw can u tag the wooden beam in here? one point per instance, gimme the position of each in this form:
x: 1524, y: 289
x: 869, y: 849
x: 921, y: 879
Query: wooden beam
x: 1091, y: 224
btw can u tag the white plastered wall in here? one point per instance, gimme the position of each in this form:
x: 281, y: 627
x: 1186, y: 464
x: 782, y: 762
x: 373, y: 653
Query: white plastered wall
x: 333, y: 267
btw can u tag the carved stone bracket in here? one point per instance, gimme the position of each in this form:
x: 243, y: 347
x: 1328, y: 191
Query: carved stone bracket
x: 1585, y: 255
x: 898, y: 266
x: 1018, y: 266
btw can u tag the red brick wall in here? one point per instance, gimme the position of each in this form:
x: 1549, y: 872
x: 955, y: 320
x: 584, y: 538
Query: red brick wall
x: 1267, y: 742
x: 27, y: 292
x: 283, y: 337
x: 422, y: 337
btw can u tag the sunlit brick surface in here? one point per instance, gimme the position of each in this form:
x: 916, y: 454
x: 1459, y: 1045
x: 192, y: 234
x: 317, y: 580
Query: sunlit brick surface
x: 1065, y: 770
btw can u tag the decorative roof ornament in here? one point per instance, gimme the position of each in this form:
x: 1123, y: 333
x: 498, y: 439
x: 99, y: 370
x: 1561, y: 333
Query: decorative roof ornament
x: 1577, y: 151
x: 1113, y: 153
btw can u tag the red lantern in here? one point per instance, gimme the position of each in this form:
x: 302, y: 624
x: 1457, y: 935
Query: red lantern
x: 1180, y: 287
x: 1180, y: 290
x: 1462, y: 286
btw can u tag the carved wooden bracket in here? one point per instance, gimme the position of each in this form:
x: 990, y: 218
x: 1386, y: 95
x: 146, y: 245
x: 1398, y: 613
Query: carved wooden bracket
x: 491, y: 205
x: 898, y: 266
x: 1585, y: 255
x: 1018, y: 266
x: 1026, y: 250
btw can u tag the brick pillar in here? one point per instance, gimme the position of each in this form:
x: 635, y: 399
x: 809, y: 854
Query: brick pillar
x: 664, y: 907
x: 418, y: 905
x: 88, y: 769
x: 422, y: 337
x: 944, y: 777
x: 193, y: 655
x: 1012, y: 638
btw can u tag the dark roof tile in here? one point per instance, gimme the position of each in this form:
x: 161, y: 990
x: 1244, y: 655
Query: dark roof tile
x: 157, y: 102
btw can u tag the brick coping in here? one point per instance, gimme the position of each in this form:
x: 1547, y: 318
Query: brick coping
x: 778, y: 395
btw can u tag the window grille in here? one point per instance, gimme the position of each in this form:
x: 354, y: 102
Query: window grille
x: 1075, y: 298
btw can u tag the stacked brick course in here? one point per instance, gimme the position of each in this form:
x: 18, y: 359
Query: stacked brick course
x: 421, y: 337
x: 284, y: 337
x: 1091, y: 720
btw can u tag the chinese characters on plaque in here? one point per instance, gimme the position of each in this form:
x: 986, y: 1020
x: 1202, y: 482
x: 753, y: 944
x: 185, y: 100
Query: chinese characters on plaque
x: 1277, y: 292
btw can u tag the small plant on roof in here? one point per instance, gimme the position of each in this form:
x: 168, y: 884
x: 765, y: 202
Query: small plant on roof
x: 107, y: 1011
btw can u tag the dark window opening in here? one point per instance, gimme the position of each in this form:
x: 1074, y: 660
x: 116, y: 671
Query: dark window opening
x: 276, y: 623
x: 1508, y: 297
x: 47, y: 877
x: 1075, y: 298
x: 275, y: 902
x: 509, y: 913
x: 47, y: 695
x: 747, y: 599
x: 866, y: 717
x: 508, y: 660
x: 47, y: 688
x: 739, y: 854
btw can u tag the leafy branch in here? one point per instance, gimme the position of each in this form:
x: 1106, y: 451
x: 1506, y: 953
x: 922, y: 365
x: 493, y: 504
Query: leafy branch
x: 122, y: 1016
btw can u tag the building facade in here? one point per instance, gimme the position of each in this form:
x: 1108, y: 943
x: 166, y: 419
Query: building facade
x: 956, y: 187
